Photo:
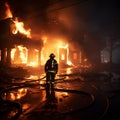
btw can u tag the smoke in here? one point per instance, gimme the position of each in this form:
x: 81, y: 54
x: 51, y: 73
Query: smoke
x: 85, y: 24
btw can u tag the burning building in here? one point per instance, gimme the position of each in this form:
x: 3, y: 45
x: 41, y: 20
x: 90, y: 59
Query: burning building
x: 16, y: 44
x: 19, y: 47
x: 19, y: 44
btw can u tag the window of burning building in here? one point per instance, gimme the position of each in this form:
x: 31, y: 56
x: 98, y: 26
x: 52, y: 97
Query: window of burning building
x: 63, y: 55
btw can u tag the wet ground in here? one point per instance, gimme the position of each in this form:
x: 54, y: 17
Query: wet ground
x: 75, y: 95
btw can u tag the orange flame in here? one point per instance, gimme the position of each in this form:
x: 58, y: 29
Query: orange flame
x: 55, y: 48
x: 63, y: 56
x: 8, y: 11
x: 15, y: 95
x: 19, y: 55
x: 19, y: 27
x: 22, y: 52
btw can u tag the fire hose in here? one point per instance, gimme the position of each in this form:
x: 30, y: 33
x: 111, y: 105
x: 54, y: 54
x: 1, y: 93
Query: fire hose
x: 29, y: 84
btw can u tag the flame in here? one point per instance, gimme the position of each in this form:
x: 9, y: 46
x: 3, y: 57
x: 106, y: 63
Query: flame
x: 22, y: 55
x: 12, y: 96
x: 48, y: 49
x: 35, y: 64
x: 34, y: 61
x: 19, y: 27
x: 21, y: 92
x: 69, y: 63
x: 55, y: 48
x: 33, y: 77
x: 15, y: 28
x: 62, y: 57
x: 13, y: 53
x: 19, y: 55
x: 15, y: 95
x: 8, y: 11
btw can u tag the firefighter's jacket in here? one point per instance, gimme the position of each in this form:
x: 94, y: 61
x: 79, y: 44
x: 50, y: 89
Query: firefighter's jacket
x: 51, y: 66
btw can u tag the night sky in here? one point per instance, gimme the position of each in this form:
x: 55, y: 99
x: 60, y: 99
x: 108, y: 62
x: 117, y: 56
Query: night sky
x: 88, y: 22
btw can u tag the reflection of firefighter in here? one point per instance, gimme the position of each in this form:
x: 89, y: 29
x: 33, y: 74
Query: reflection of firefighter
x: 51, y: 69
x: 51, y: 99
x: 50, y: 94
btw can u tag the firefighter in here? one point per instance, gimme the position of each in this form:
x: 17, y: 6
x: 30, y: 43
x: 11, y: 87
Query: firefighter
x: 51, y: 69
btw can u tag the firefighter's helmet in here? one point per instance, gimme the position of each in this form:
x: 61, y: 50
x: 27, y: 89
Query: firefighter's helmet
x: 52, y: 55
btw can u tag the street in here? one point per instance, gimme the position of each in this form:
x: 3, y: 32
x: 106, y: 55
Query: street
x: 75, y: 95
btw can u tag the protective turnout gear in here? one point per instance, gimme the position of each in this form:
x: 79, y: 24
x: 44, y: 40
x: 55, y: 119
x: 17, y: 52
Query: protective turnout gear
x: 51, y: 69
x: 52, y: 55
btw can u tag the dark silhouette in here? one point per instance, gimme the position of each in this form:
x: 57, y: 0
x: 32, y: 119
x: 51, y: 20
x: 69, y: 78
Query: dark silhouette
x: 50, y: 93
x: 51, y: 69
x: 51, y: 100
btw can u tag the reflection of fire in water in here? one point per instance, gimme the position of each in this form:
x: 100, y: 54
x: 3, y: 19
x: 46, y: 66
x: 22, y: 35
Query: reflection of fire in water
x: 15, y: 95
